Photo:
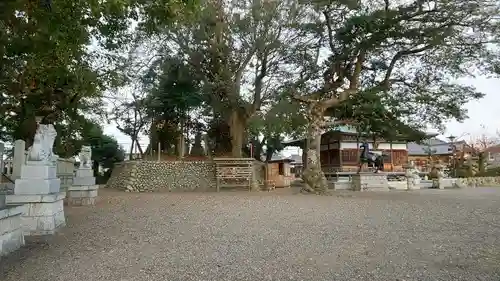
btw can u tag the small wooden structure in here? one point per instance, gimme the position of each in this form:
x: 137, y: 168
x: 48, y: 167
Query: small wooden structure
x: 234, y: 172
x: 278, y: 172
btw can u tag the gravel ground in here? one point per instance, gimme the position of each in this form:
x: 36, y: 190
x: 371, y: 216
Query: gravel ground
x: 421, y: 235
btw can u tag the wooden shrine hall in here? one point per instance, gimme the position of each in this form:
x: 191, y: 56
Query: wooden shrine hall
x: 340, y: 150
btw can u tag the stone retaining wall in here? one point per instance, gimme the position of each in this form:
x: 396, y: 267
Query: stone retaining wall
x: 140, y: 176
x: 479, y: 181
x: 120, y: 175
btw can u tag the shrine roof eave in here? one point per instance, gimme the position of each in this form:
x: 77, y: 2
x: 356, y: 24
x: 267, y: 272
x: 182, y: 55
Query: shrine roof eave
x: 284, y: 160
x: 300, y: 142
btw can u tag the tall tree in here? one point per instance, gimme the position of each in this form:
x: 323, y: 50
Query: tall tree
x: 408, y: 53
x: 238, y: 49
x: 269, y: 128
x: 131, y: 117
x: 54, y: 57
x: 105, y: 149
x: 174, y: 98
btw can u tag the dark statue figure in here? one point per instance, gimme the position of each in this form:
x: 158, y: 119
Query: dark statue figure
x: 373, y: 160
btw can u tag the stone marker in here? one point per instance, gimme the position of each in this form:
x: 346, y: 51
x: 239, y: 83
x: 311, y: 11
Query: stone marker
x: 38, y: 188
x: 412, y: 177
x: 84, y: 190
x: 437, y: 175
x: 18, y: 159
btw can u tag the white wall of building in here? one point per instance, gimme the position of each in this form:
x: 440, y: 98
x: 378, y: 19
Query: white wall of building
x: 386, y: 146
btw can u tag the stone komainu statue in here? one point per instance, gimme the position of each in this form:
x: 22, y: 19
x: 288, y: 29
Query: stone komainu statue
x: 85, y: 157
x: 43, y: 142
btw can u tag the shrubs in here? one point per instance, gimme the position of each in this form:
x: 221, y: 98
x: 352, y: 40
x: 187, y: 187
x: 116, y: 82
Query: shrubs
x: 492, y: 172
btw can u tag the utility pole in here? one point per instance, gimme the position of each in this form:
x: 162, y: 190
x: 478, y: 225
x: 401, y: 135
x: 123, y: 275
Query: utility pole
x: 453, y: 151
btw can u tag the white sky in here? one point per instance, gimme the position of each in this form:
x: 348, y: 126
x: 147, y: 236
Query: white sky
x: 484, y: 112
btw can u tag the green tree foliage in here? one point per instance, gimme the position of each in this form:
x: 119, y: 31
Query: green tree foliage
x: 55, y: 60
x: 268, y: 129
x: 173, y: 101
x: 131, y: 118
x: 406, y: 53
x: 372, y: 118
x: 237, y: 50
x: 105, y: 149
x: 176, y: 93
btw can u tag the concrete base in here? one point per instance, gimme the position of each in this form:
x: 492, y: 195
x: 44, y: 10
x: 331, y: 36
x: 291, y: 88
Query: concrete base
x: 84, y: 173
x: 34, y: 170
x: 82, y: 195
x: 370, y: 181
x: 2, y: 201
x: 11, y: 233
x: 41, y: 214
x: 342, y: 185
x: 37, y: 178
x: 398, y: 185
x: 83, y: 181
x: 37, y: 186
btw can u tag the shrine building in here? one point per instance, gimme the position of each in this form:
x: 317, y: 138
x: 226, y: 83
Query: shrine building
x: 340, y: 150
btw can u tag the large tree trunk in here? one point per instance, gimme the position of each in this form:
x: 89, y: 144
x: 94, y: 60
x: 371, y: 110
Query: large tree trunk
x: 197, y: 149
x: 131, y: 155
x: 314, y: 178
x: 237, y: 132
x: 141, y: 152
x: 269, y: 154
x: 305, y: 147
x: 181, y: 142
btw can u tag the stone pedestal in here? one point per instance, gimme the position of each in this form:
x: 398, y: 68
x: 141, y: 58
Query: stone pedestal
x: 342, y: 185
x: 11, y: 232
x: 38, y: 190
x: 370, y: 181
x: 84, y: 190
x: 438, y: 183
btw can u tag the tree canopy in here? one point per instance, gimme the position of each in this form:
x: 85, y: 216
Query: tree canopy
x: 240, y: 74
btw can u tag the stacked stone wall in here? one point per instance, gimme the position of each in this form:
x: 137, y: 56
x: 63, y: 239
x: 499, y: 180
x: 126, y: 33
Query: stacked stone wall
x: 143, y: 176
x: 478, y: 181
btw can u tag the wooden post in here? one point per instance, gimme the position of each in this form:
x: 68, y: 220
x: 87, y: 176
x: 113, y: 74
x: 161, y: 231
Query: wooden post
x: 217, y: 183
x: 159, y: 151
x: 392, y: 156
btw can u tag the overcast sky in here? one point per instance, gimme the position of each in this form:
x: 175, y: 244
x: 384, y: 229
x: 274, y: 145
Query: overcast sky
x: 482, y: 112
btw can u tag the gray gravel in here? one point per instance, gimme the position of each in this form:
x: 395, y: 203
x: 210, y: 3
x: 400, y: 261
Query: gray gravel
x: 421, y: 235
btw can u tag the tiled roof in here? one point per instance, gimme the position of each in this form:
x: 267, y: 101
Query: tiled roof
x: 296, y: 158
x: 438, y: 147
x: 493, y: 149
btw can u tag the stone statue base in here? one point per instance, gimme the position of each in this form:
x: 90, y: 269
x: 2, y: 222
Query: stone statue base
x: 11, y: 233
x: 42, y: 214
x: 38, y: 190
x: 37, y: 179
x: 84, y: 177
x: 370, y: 181
x: 83, y: 192
x: 438, y: 183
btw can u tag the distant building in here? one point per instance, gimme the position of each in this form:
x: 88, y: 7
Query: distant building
x: 296, y: 164
x: 493, y: 155
x: 435, y: 150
